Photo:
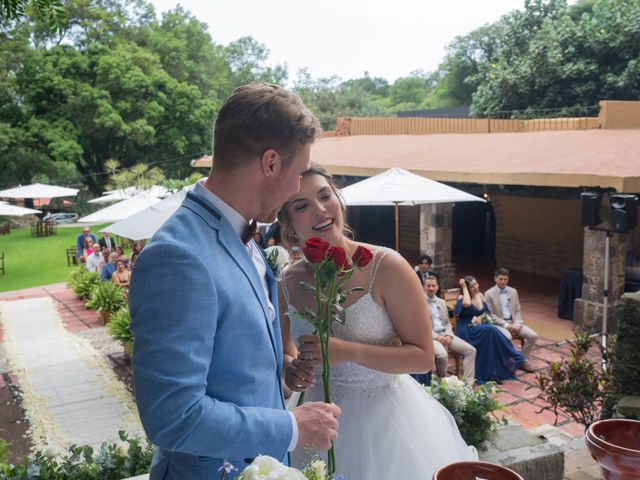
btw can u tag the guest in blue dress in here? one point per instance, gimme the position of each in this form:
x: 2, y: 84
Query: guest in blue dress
x: 496, y: 358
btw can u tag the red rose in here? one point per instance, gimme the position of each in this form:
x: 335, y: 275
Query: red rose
x: 362, y: 256
x: 315, y: 250
x: 339, y: 257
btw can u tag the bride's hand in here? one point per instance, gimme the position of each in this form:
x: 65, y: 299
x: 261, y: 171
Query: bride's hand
x: 299, y: 376
x: 310, y: 352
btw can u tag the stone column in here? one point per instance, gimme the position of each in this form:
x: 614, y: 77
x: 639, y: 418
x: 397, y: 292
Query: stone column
x: 587, y: 311
x: 435, y: 240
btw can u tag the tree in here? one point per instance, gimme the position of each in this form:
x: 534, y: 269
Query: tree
x: 246, y: 58
x: 51, y: 12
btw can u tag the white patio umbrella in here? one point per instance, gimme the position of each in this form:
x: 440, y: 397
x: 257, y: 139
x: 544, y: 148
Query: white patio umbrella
x: 396, y: 186
x: 121, y: 210
x: 38, y: 190
x: 143, y: 224
x: 123, y: 194
x: 14, y: 211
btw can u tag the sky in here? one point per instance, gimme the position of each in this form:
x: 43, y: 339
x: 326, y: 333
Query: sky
x: 347, y: 38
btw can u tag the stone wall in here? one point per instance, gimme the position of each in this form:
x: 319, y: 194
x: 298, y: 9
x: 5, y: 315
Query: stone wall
x: 541, y: 236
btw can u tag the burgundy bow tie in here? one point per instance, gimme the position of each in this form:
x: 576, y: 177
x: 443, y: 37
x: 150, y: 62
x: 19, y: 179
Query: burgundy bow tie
x: 251, y: 231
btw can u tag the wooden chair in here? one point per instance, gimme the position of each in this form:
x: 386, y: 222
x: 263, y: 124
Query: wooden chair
x: 72, y: 258
x: 2, y: 263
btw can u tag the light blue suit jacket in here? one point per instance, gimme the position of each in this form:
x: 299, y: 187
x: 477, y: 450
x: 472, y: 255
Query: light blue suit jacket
x: 207, y: 358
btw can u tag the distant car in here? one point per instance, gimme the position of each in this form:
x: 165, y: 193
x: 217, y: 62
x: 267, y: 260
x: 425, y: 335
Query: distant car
x: 59, y: 218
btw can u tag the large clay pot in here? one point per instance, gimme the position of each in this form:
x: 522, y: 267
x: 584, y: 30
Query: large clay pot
x: 475, y: 470
x: 615, y: 445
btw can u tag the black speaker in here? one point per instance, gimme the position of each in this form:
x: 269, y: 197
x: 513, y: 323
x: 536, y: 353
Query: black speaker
x: 590, y: 209
x: 624, y: 212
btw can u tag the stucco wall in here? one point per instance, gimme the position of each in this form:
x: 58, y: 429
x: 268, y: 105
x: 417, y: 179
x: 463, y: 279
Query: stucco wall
x: 538, y: 235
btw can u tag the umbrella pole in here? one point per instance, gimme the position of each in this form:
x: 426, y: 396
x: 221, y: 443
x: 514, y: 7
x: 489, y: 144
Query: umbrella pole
x: 397, y: 230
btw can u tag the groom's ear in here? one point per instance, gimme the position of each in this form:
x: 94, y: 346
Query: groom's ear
x: 270, y: 162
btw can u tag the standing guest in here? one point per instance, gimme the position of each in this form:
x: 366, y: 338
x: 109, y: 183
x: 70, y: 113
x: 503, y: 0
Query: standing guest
x: 107, y: 241
x: 443, y: 336
x: 496, y: 357
x: 81, y: 239
x: 504, y: 304
x: 207, y: 361
x: 94, y: 259
x: 109, y: 268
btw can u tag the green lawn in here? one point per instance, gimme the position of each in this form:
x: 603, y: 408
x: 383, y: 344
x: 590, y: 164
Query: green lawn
x: 31, y: 261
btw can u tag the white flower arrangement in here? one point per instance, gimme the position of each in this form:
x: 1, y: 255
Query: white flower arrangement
x: 265, y: 467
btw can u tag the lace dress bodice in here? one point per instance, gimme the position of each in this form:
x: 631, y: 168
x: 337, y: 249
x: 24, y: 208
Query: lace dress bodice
x: 366, y: 322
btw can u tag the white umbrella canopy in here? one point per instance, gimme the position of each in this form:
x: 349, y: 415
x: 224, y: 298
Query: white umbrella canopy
x: 143, y: 224
x: 397, y: 186
x: 14, y: 211
x: 123, y: 194
x: 38, y: 190
x: 121, y: 210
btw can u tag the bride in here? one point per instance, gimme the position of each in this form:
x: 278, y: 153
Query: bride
x: 390, y: 426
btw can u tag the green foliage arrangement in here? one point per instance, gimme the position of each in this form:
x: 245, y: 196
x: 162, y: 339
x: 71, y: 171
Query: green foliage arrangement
x: 83, y: 283
x: 578, y: 385
x: 106, y: 297
x: 129, y: 457
x: 473, y: 409
x: 120, y: 326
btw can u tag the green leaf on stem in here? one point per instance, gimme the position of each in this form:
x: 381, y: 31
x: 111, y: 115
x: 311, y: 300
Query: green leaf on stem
x: 327, y: 272
x: 306, y: 286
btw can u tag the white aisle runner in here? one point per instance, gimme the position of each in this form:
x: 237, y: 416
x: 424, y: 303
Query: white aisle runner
x: 70, y: 393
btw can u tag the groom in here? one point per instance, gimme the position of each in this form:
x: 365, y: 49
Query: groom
x: 207, y: 354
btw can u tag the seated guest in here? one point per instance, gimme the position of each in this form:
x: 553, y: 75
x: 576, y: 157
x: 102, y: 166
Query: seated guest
x: 122, y: 276
x: 109, y: 268
x: 104, y: 259
x: 135, y: 251
x: 81, y: 239
x: 88, y: 250
x: 107, y: 241
x: 443, y: 337
x: 504, y: 304
x: 257, y: 237
x: 496, y: 357
x: 94, y: 259
x: 119, y: 250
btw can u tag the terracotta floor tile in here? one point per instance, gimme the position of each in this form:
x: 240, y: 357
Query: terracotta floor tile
x: 530, y: 416
x: 547, y: 355
x: 505, y: 398
x: 520, y: 389
x: 573, y: 428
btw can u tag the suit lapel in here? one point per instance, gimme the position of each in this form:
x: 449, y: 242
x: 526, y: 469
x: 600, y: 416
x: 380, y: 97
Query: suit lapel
x: 237, y: 251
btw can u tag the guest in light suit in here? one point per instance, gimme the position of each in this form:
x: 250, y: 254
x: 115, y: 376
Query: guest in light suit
x: 504, y: 303
x: 207, y: 362
x: 443, y: 336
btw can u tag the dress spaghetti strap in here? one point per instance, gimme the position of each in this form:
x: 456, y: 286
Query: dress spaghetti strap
x: 380, y: 254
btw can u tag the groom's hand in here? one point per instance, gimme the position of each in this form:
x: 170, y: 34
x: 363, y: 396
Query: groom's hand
x: 317, y: 424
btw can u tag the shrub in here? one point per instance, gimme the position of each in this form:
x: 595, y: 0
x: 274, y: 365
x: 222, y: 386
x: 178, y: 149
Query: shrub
x: 106, y: 297
x: 114, y: 461
x: 577, y: 385
x: 472, y: 409
x: 120, y: 326
x: 83, y: 282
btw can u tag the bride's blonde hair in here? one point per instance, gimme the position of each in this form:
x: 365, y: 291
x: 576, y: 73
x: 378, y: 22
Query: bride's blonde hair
x: 287, y: 233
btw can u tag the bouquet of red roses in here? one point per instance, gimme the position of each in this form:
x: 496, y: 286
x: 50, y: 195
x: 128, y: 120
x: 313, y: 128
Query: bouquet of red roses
x: 332, y: 269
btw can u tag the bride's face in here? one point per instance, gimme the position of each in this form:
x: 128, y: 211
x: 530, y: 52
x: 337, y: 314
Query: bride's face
x: 315, y: 211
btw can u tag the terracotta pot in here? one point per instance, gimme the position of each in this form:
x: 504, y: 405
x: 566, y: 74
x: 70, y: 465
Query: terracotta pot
x: 105, y: 317
x: 474, y: 470
x: 128, y: 349
x: 615, y: 445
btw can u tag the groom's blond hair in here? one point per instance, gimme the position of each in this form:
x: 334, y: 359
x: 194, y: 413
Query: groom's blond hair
x: 257, y: 117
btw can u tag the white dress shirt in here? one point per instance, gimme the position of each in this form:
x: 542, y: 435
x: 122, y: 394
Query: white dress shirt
x: 240, y: 225
x: 435, y: 315
x: 504, y: 302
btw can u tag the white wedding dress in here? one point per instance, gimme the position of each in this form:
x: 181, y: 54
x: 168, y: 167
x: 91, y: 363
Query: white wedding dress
x: 390, y: 427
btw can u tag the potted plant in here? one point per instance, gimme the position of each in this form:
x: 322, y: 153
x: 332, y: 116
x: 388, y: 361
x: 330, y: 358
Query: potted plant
x: 106, y: 298
x: 83, y: 282
x: 120, y: 329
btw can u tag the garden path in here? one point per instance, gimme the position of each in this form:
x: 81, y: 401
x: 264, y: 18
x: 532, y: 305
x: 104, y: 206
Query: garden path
x: 69, y: 391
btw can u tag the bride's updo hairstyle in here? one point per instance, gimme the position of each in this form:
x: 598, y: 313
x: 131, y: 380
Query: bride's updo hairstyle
x: 288, y: 235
